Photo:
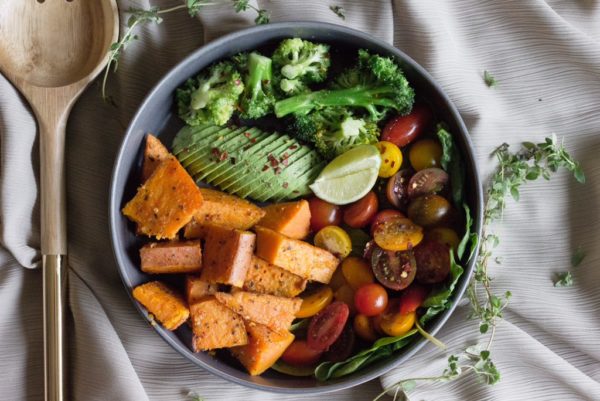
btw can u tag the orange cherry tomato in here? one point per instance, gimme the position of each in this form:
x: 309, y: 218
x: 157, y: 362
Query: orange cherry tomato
x: 357, y: 272
x: 314, y: 302
x: 383, y: 216
x: 300, y: 354
x: 363, y: 326
x: 397, y: 324
x: 397, y: 234
x: 345, y: 294
x: 425, y: 153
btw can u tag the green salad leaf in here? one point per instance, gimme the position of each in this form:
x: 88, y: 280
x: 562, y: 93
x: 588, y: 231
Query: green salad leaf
x: 453, y: 164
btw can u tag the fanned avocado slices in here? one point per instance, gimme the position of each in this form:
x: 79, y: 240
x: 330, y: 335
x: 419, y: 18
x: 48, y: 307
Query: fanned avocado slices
x: 248, y: 162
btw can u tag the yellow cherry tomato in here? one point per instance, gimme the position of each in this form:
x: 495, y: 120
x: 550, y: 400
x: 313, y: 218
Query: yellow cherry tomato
x: 391, y: 158
x: 397, y: 234
x: 357, y: 272
x: 425, y: 153
x: 313, y: 302
x: 397, y: 324
x: 334, y: 240
x: 345, y: 294
x: 337, y: 280
x: 445, y: 236
x: 364, y: 328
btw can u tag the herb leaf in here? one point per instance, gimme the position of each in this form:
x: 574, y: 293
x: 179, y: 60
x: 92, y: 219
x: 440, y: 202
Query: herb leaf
x: 339, y: 11
x: 489, y: 79
x: 564, y: 279
x: 452, y: 162
x: 578, y: 256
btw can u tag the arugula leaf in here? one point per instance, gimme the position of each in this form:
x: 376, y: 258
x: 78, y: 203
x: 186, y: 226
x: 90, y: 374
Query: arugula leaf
x: 382, y: 348
x: 564, y: 279
x: 452, y: 162
x: 440, y: 299
x: 489, y: 79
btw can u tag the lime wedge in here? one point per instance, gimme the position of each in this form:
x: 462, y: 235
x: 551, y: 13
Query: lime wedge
x: 348, y: 177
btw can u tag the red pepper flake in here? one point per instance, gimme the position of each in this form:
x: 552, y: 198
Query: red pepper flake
x: 393, y: 163
x: 247, y: 134
x: 285, y: 185
x: 253, y: 140
x: 215, y: 152
x: 272, y: 160
x: 386, y: 161
x: 293, y: 147
x: 223, y: 156
x: 278, y: 170
x: 265, y: 167
x: 286, y: 162
x: 238, y: 82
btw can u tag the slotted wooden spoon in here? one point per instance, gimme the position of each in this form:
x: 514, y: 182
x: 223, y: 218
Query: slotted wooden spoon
x: 51, y: 50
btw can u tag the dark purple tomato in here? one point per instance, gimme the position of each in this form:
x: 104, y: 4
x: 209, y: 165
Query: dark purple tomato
x: 343, y: 347
x: 433, y: 262
x: 429, y: 210
x: 396, y: 270
x: 426, y: 182
x: 397, y: 189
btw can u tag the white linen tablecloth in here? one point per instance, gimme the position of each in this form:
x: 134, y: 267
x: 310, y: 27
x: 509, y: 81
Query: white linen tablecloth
x: 546, y: 58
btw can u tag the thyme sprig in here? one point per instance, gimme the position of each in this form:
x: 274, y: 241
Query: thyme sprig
x: 514, y: 169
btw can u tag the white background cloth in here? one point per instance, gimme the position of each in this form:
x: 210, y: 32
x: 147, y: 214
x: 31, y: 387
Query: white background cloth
x: 546, y: 58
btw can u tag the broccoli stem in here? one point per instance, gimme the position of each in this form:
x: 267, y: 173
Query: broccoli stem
x: 367, y: 98
x: 260, y: 72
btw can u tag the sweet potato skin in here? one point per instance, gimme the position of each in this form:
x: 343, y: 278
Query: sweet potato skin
x: 197, y: 290
x: 277, y: 313
x: 166, y: 305
x: 171, y: 257
x: 264, y: 347
x: 291, y: 219
x: 221, y: 209
x: 295, y: 256
x: 265, y: 278
x: 154, y: 153
x: 165, y: 202
x: 227, y: 255
x: 216, y: 326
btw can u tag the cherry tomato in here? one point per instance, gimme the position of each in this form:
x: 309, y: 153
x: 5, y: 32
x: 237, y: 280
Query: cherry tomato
x: 444, y: 235
x: 425, y: 153
x: 363, y: 326
x: 370, y: 299
x: 360, y: 213
x: 357, y: 272
x: 397, y: 324
x: 402, y: 130
x: 391, y: 158
x: 396, y: 190
x: 345, y: 294
x: 433, y: 262
x: 343, y: 347
x: 397, y: 234
x: 335, y: 240
x: 337, y: 280
x: 429, y: 210
x: 300, y: 354
x: 412, y: 297
x: 429, y: 181
x: 383, y: 216
x: 314, y: 301
x: 395, y: 270
x: 323, y: 214
x: 326, y: 326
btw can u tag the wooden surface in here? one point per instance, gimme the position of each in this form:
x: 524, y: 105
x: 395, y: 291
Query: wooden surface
x: 51, y: 50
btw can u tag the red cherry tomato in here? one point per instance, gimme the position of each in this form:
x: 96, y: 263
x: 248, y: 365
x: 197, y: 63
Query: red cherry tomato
x: 323, y: 214
x: 360, y: 213
x: 326, y: 326
x: 370, y: 299
x: 300, y: 354
x: 384, y: 216
x: 411, y: 298
x: 402, y: 130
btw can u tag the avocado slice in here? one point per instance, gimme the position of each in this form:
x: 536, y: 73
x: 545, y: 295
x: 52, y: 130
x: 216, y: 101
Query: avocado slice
x: 185, y: 144
x: 204, y: 155
x: 197, y: 149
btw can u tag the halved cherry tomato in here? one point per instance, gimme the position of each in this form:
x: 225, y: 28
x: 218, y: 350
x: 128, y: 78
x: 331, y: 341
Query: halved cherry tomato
x: 363, y: 326
x: 343, y: 347
x: 445, y: 236
x: 300, y: 354
x: 335, y: 240
x: 396, y: 324
x: 396, y: 190
x: 394, y: 269
x: 315, y: 301
x: 429, y: 210
x: 326, y: 326
x: 391, y: 158
x: 402, y: 130
x: 411, y: 298
x: 429, y: 181
x: 337, y: 280
x: 357, y: 272
x: 397, y: 234
x: 384, y: 215
x: 345, y: 294
x: 425, y: 153
x: 360, y: 213
x: 433, y: 262
x: 323, y: 214
x: 370, y: 299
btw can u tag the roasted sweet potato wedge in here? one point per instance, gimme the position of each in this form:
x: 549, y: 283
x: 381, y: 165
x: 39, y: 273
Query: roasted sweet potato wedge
x: 266, y: 278
x: 166, y: 305
x: 216, y: 326
x: 171, y: 257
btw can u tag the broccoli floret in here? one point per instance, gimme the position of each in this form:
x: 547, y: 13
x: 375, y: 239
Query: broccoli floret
x: 211, y: 97
x: 334, y: 130
x: 303, y: 60
x: 257, y: 99
x: 292, y: 86
x: 375, y: 85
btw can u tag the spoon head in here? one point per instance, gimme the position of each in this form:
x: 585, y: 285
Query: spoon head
x: 54, y: 43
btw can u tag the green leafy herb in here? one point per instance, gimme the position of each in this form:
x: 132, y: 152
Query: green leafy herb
x: 577, y: 257
x: 154, y: 14
x: 339, y: 11
x: 489, y: 79
x: 452, y: 162
x: 564, y: 279
x: 193, y: 396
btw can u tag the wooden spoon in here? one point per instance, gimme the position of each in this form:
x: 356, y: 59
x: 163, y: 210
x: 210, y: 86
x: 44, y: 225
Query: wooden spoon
x: 51, y: 50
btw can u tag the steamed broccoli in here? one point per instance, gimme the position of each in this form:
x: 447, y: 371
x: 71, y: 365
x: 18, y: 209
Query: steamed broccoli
x: 211, y: 97
x: 334, y: 130
x: 299, y: 63
x: 257, y: 99
x: 376, y: 85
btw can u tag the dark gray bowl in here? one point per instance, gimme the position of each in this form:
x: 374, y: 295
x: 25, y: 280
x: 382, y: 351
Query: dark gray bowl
x: 156, y: 115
